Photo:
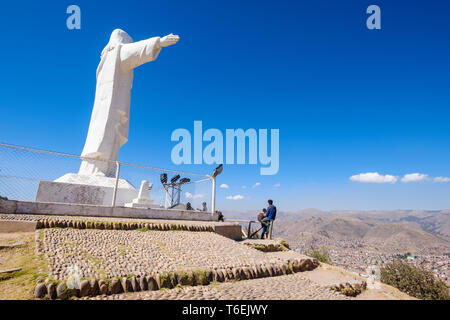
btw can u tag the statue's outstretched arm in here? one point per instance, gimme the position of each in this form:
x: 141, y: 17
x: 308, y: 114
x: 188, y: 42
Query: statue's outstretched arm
x: 134, y: 54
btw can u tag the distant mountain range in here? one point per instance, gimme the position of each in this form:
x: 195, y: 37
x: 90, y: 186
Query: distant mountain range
x: 399, y: 230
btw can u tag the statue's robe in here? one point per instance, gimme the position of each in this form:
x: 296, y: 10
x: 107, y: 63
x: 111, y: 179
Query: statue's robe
x: 109, y: 126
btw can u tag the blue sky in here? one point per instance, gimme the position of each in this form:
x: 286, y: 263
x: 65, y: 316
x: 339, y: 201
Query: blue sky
x: 347, y: 100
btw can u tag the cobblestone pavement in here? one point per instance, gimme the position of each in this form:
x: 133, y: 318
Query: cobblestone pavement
x: 288, y: 287
x: 113, y: 253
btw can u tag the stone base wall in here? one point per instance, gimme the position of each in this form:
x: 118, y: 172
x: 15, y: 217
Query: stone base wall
x: 68, y: 209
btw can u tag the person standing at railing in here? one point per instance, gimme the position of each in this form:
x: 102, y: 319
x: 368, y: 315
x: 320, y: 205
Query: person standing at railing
x: 271, y: 214
x: 261, y: 217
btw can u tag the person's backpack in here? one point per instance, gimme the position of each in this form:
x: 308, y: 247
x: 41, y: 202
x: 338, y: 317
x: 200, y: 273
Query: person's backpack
x: 260, y: 216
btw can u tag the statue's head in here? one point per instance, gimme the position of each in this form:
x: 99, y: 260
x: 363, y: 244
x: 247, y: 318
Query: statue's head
x: 119, y: 36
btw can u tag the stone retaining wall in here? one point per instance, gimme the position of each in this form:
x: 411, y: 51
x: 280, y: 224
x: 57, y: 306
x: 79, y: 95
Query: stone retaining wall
x: 70, y: 209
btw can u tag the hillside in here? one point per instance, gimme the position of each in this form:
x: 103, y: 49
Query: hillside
x: 387, y: 236
x: 437, y: 222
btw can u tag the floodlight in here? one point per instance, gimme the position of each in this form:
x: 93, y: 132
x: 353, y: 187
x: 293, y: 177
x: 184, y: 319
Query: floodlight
x: 163, y: 178
x: 217, y: 170
x: 185, y: 180
x: 174, y: 179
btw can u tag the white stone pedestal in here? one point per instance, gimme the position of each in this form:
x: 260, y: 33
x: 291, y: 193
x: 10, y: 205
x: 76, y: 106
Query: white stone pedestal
x: 84, y: 189
x: 143, y: 200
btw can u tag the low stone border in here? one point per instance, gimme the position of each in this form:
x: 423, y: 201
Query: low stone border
x: 94, y: 287
x: 351, y: 288
x: 115, y: 225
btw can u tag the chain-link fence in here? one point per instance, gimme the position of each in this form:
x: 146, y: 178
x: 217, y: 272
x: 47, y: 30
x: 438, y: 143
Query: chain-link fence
x: 29, y: 174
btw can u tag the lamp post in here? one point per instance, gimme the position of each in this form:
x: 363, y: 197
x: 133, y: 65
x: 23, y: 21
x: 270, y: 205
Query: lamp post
x: 173, y: 189
x: 215, y: 173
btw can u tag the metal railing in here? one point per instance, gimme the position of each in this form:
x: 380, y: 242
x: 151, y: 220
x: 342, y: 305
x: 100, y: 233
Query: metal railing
x: 252, y: 233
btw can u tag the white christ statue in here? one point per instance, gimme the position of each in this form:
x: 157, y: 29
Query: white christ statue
x: 109, y: 126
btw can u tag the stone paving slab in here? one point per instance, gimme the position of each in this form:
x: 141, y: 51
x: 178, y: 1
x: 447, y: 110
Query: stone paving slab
x: 9, y: 246
x: 10, y: 270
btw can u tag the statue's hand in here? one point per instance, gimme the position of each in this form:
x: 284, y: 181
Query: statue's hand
x: 169, y: 40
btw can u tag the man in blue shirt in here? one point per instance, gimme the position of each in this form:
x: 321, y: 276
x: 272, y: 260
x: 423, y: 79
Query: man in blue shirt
x: 270, y: 216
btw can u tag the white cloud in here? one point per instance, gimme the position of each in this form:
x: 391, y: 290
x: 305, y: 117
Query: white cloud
x: 441, y: 179
x: 236, y: 197
x: 224, y: 186
x: 373, y: 177
x: 189, y: 195
x: 244, y: 187
x: 256, y: 185
x: 277, y: 185
x: 414, y: 177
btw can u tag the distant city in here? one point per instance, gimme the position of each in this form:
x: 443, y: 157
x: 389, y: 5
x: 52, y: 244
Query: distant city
x: 356, y: 256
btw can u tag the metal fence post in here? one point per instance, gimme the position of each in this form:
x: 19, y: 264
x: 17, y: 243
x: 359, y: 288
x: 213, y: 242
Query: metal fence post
x: 113, y: 204
x: 213, y: 201
x: 249, y: 229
